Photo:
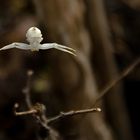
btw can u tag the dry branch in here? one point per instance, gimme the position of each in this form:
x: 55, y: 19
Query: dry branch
x: 117, y: 79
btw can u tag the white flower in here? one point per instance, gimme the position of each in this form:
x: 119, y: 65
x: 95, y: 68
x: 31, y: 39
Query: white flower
x: 34, y: 37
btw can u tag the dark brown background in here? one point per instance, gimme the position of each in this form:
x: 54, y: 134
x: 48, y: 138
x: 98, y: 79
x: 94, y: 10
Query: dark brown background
x: 106, y: 36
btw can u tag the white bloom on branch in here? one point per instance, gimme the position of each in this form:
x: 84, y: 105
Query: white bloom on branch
x: 34, y: 37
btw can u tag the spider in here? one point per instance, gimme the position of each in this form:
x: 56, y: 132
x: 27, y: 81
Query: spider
x: 34, y: 37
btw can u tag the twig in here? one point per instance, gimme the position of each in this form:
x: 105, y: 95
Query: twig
x: 36, y: 111
x: 26, y: 90
x: 25, y: 112
x: 113, y: 83
x: 73, y: 113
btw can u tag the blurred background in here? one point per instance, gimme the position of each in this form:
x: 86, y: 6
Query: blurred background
x: 106, y: 36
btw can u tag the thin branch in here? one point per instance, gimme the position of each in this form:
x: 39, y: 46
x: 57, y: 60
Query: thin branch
x: 73, y: 113
x: 25, y: 112
x: 113, y: 83
x: 35, y: 111
x: 26, y: 90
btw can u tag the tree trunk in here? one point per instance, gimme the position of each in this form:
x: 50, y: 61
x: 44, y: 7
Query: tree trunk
x: 74, y: 77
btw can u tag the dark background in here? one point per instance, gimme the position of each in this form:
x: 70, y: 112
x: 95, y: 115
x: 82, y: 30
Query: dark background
x: 106, y: 35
